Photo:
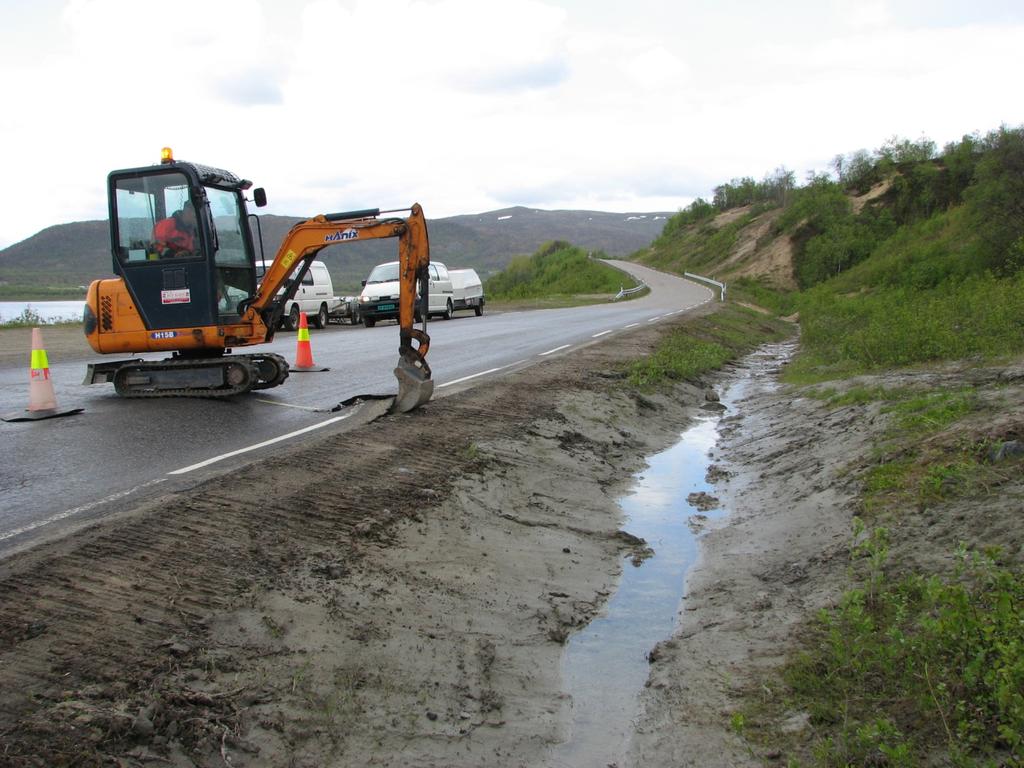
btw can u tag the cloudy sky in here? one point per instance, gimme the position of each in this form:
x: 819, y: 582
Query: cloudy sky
x: 471, y: 105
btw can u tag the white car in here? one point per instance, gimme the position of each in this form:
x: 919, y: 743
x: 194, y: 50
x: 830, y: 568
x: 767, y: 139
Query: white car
x: 467, y: 290
x: 379, y: 297
x: 314, y: 296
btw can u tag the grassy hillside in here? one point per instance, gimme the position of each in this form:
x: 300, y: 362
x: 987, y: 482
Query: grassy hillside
x: 907, y: 257
x: 557, y: 269
x: 59, y: 259
x: 55, y: 262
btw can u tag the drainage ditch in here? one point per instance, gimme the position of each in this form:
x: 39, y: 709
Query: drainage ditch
x: 605, y: 665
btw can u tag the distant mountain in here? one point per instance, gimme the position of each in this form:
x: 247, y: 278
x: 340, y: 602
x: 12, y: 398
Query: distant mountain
x: 77, y: 253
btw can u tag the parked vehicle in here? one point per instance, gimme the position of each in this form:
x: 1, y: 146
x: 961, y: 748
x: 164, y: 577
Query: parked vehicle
x: 467, y: 290
x: 379, y: 297
x: 314, y: 296
x: 346, y: 308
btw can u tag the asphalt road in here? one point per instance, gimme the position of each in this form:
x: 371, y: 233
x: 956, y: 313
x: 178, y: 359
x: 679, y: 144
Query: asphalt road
x: 62, y: 473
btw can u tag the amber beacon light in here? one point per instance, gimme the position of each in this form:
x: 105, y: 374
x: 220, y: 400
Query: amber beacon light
x: 166, y: 155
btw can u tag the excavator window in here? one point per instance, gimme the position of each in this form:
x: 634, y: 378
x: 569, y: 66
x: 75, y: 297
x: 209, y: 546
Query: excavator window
x: 141, y: 202
x: 236, y: 276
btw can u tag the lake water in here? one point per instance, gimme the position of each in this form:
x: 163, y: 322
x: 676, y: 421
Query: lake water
x: 47, y: 311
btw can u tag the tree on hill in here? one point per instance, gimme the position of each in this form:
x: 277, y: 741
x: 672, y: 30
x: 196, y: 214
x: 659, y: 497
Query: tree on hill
x: 774, y: 188
x: 996, y: 200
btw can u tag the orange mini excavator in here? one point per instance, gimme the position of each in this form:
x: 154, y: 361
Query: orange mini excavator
x: 185, y: 258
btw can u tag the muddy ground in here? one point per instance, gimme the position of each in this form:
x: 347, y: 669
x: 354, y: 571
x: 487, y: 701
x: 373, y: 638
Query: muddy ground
x: 408, y: 604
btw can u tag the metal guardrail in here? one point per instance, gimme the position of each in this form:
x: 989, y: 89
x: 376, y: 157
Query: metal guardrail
x: 708, y: 280
x: 628, y: 291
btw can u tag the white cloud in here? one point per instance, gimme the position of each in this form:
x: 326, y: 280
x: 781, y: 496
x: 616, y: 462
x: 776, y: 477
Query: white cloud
x: 657, y: 69
x: 863, y: 13
x: 469, y: 105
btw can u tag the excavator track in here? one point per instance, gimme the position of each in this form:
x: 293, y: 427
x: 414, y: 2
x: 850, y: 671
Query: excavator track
x: 272, y: 369
x: 188, y: 377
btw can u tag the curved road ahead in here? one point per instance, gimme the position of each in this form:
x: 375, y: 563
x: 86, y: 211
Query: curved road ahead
x: 68, y: 471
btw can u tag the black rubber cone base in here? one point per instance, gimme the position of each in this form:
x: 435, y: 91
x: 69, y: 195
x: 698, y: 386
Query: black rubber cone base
x: 49, y: 413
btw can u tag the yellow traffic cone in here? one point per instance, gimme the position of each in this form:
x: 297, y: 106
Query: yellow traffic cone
x: 303, y: 350
x: 42, y: 401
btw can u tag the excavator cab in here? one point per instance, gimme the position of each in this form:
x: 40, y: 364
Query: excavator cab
x: 181, y: 243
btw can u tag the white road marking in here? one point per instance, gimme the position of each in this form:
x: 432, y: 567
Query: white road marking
x: 599, y: 335
x: 556, y: 349
x: 482, y: 373
x: 264, y: 444
x: 286, y: 405
x: 633, y: 325
x: 78, y: 510
x: 654, y: 319
x: 471, y: 376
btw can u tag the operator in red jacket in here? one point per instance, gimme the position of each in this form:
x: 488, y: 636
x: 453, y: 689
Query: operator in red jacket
x: 177, y: 235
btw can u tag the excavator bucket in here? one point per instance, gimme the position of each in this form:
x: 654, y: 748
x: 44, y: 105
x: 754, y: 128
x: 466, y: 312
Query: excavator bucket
x: 413, y: 373
x: 414, y: 385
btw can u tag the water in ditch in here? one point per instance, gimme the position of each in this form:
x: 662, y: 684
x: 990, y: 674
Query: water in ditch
x: 605, y: 665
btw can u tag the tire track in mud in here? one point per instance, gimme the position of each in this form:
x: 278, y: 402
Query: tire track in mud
x: 102, y: 617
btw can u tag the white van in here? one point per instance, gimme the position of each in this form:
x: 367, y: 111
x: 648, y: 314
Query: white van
x: 379, y: 297
x: 467, y: 290
x: 315, y: 296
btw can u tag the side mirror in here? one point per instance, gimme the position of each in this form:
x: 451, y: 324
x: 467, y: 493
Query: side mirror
x: 259, y: 196
x: 364, y: 283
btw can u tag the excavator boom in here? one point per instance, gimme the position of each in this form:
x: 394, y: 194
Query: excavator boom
x: 306, y: 239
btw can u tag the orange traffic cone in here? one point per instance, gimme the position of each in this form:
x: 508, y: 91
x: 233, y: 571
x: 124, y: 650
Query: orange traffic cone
x: 41, y: 396
x: 303, y: 351
x: 42, y: 401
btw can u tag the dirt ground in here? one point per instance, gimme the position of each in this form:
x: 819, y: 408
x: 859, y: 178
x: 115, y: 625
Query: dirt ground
x: 407, y: 604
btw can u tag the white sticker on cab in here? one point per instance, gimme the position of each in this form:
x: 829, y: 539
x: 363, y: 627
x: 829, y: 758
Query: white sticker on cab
x: 178, y: 296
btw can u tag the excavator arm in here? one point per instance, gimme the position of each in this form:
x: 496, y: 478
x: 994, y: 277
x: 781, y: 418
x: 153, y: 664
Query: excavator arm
x: 306, y: 239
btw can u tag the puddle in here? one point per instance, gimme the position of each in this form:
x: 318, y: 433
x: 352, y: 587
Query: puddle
x: 605, y: 665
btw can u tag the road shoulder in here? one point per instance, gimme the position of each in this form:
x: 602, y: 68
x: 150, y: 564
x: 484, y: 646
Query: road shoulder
x: 402, y: 590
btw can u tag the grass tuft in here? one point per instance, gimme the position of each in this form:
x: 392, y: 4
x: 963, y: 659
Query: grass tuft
x: 704, y: 344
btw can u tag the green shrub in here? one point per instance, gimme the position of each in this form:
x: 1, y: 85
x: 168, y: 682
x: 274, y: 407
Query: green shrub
x: 920, y: 256
x: 704, y: 344
x: 697, y: 211
x: 677, y: 359
x: 901, y: 668
x: 759, y: 292
x: 556, y: 269
x: 29, y: 318
x: 903, y: 326
x: 994, y: 200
